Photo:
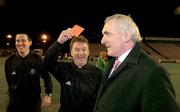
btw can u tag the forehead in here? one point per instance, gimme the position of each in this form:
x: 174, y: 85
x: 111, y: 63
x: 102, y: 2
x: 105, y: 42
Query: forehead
x: 109, y: 26
x: 21, y: 36
x: 80, y: 45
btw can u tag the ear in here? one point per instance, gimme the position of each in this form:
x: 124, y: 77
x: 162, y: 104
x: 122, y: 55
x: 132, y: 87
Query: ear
x: 127, y: 37
x: 30, y: 43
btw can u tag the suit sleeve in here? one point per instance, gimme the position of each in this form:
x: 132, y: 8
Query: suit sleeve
x: 159, y: 94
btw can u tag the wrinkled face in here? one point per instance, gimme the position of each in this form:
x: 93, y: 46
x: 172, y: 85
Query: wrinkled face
x: 80, y: 53
x: 22, y: 44
x: 113, y: 38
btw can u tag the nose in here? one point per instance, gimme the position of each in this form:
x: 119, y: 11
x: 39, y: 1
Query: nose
x: 81, y: 53
x: 102, y: 40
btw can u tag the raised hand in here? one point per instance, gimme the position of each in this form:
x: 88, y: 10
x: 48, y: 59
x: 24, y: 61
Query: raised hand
x: 65, y: 35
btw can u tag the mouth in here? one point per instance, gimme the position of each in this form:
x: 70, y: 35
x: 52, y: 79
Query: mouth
x: 21, y: 48
x: 108, y: 47
x: 80, y: 59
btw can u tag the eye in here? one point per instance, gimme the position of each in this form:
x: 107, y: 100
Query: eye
x: 84, y: 49
x: 17, y: 41
x: 76, y: 49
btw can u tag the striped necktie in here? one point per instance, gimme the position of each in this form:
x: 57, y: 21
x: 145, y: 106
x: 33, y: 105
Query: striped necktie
x: 116, y: 64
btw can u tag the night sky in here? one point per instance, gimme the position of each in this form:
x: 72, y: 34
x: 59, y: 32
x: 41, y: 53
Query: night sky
x: 154, y: 17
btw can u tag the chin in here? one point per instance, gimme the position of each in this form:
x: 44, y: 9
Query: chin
x: 109, y: 53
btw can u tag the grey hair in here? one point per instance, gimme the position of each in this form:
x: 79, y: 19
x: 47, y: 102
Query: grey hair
x: 126, y: 23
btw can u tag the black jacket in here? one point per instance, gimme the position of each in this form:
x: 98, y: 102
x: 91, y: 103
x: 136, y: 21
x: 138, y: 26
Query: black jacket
x: 79, y: 86
x: 137, y: 85
x: 23, y: 76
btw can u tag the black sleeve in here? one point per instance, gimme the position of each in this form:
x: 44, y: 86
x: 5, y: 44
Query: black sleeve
x: 159, y: 91
x: 50, y: 59
x: 7, y: 73
x: 47, y: 79
x: 98, y: 78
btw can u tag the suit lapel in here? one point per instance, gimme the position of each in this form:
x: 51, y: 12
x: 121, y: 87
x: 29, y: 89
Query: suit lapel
x: 106, y: 75
x: 120, y: 67
x: 132, y: 58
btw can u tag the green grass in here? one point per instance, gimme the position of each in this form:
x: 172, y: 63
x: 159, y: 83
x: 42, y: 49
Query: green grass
x: 174, y: 70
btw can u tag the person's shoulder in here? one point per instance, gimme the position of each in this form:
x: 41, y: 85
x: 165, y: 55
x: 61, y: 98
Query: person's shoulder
x: 100, y: 59
x: 148, y: 60
x: 14, y: 55
x: 10, y: 58
x: 94, y: 68
x: 34, y: 54
x: 150, y: 63
x: 91, y: 65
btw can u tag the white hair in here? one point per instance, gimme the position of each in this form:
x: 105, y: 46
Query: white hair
x: 126, y: 23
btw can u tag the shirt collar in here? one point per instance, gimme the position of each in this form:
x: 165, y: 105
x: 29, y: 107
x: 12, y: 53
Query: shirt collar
x: 124, y: 55
x: 75, y: 66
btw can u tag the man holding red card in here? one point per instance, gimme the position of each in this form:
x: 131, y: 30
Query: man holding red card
x: 79, y: 80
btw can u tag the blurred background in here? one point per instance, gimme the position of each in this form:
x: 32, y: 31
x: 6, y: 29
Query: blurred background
x: 157, y: 18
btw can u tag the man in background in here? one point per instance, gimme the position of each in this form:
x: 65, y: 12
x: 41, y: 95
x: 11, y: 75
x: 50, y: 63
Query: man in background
x: 23, y: 71
x: 101, y: 62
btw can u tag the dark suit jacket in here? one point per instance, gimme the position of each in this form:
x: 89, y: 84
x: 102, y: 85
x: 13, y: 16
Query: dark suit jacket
x: 137, y: 85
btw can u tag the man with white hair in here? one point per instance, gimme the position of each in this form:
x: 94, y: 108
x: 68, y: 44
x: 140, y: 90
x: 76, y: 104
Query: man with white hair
x: 138, y: 83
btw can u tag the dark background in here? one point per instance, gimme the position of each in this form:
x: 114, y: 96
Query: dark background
x: 154, y: 17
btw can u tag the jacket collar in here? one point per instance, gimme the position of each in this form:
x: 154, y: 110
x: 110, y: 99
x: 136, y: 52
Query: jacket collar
x: 132, y: 58
x: 76, y: 67
x: 134, y: 55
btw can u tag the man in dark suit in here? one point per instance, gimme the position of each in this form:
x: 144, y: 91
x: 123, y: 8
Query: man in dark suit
x: 138, y: 84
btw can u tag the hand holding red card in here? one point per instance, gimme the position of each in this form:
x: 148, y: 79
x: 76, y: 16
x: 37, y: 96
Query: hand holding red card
x: 77, y: 30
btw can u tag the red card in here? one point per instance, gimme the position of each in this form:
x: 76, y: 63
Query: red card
x: 77, y: 30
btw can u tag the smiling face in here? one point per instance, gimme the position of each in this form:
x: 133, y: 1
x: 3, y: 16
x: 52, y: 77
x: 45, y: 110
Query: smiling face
x: 23, y: 44
x: 80, y: 53
x: 120, y: 34
x: 113, y: 38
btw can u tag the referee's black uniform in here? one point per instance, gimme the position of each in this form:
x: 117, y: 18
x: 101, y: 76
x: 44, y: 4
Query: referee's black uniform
x: 79, y: 86
x: 23, y: 77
